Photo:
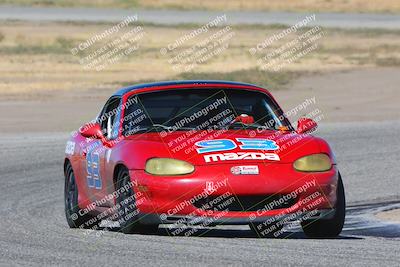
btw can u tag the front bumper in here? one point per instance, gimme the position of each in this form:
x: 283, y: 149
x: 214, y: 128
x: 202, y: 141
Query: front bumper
x: 191, y: 199
x: 223, y: 220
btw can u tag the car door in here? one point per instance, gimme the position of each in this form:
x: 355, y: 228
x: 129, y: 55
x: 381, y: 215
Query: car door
x: 98, y: 173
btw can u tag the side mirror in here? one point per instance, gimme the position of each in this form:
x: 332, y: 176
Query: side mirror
x: 91, y: 130
x: 306, y: 125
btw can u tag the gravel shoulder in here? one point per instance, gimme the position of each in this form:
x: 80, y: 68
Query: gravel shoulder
x: 390, y: 215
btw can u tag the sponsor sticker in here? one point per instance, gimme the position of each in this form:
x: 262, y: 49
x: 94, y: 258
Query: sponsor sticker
x: 70, y: 148
x: 241, y: 156
x: 209, y: 187
x: 108, y: 155
x: 250, y: 169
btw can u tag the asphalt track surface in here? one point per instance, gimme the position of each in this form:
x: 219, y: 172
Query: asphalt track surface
x: 173, y: 17
x: 33, y: 229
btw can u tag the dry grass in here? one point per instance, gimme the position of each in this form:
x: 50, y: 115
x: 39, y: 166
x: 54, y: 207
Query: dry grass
x: 392, y: 6
x: 35, y: 57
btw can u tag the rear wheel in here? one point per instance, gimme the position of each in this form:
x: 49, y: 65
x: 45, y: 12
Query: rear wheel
x: 329, y: 228
x: 72, y: 210
x: 128, y: 214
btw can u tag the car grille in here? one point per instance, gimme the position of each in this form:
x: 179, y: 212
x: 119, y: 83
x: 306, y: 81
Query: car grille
x: 244, y: 202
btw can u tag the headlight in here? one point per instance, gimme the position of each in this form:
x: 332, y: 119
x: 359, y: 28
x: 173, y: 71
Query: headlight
x: 165, y: 166
x: 313, y: 163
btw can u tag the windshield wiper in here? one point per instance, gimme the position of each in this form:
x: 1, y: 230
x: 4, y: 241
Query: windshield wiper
x: 163, y: 126
x: 240, y: 125
x: 139, y: 130
x: 155, y: 128
x: 172, y: 129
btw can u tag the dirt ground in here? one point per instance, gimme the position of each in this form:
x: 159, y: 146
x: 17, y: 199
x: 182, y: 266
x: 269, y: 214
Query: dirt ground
x: 43, y: 88
x: 346, y: 96
x: 36, y: 58
x: 355, y: 95
x: 391, y: 215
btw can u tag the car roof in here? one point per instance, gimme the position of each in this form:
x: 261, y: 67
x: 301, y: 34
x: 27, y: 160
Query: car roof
x: 128, y: 89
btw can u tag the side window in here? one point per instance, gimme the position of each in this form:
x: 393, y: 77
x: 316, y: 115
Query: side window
x: 109, y: 118
x: 135, y: 117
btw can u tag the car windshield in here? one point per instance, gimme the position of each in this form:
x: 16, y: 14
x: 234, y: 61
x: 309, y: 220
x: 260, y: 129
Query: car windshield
x: 187, y: 109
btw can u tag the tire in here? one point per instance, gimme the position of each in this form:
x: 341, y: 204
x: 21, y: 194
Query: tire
x: 266, y: 230
x: 128, y: 216
x: 328, y: 228
x: 72, y: 210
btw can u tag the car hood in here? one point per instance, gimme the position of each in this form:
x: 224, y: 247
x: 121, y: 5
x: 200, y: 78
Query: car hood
x: 181, y: 145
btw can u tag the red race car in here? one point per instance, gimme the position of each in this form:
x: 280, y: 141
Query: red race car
x: 202, y: 153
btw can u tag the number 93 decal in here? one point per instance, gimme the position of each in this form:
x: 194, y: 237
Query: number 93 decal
x: 93, y: 170
x: 218, y: 145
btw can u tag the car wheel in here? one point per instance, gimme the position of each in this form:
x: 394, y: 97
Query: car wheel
x: 266, y: 229
x: 329, y: 228
x: 128, y: 214
x: 72, y: 210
